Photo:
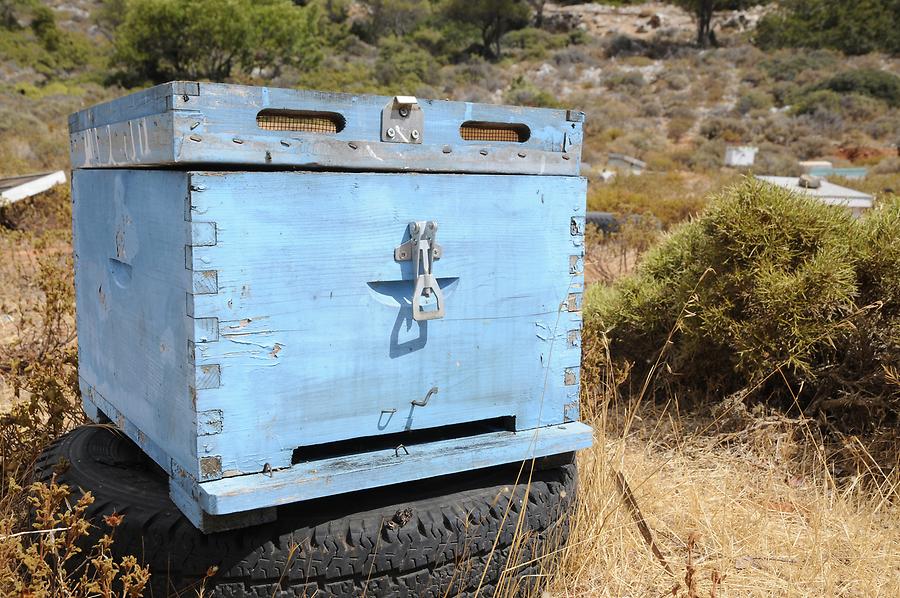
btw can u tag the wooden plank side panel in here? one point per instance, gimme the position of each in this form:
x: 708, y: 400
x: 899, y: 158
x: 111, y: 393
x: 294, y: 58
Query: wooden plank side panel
x: 131, y: 284
x: 316, y: 342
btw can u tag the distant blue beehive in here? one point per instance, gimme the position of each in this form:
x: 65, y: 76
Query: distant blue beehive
x: 284, y: 294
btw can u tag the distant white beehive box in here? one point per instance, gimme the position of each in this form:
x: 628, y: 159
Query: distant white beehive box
x: 625, y: 163
x: 14, y: 188
x: 828, y: 193
x: 807, y: 166
x: 740, y: 155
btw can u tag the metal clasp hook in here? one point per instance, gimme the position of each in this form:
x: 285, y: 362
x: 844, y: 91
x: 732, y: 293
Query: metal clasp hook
x: 423, y: 251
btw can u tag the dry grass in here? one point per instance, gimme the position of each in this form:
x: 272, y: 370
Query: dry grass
x: 760, y: 527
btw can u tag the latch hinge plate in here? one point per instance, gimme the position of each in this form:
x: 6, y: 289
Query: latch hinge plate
x: 402, y: 121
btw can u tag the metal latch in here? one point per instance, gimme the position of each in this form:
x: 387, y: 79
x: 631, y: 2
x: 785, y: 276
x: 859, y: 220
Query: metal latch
x: 402, y: 121
x: 427, y: 300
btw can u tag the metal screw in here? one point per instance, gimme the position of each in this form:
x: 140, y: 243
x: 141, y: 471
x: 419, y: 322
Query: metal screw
x: 483, y: 152
x: 415, y: 134
x: 404, y: 112
x: 521, y: 154
x: 352, y: 145
x: 391, y: 133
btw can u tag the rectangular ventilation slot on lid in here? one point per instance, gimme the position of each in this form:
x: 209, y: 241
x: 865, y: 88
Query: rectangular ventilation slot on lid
x: 483, y: 131
x: 301, y: 121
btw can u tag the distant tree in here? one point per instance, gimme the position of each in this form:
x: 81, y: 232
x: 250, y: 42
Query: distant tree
x: 161, y: 40
x: 857, y: 27
x: 537, y: 7
x: 492, y: 18
x: 703, y: 11
x: 397, y: 17
x: 109, y: 15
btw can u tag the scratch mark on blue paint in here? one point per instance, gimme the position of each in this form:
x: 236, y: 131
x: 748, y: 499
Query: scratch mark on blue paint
x: 249, y: 343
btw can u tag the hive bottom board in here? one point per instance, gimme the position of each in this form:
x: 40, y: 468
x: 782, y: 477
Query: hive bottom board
x: 241, y: 501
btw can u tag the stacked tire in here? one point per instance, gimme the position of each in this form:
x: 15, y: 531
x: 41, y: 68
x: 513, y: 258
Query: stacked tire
x: 463, y: 535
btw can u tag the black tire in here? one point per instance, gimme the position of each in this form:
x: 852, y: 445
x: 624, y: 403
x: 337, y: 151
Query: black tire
x: 430, y: 538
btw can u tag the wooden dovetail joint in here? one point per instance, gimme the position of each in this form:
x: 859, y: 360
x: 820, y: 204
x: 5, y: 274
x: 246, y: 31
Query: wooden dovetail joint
x: 209, y: 376
x: 211, y: 467
x: 205, y: 282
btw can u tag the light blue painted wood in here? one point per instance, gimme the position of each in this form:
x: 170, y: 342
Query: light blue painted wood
x: 316, y: 341
x: 130, y: 286
x: 209, y: 123
x: 292, y: 326
x: 378, y: 468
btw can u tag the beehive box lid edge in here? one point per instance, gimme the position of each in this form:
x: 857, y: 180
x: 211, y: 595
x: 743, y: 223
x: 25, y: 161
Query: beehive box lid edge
x: 209, y: 123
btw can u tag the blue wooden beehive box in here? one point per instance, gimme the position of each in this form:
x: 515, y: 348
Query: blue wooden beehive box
x: 285, y: 294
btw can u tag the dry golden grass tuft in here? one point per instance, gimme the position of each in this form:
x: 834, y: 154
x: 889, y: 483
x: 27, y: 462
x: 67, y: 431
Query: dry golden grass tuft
x: 742, y: 510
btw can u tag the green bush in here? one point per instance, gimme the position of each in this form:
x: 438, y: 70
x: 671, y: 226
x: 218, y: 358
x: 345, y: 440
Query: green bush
x: 856, y: 27
x: 793, y: 65
x: 161, y: 40
x: 534, y: 43
x: 874, y: 83
x: 768, y: 293
x: 403, y: 66
x: 753, y: 99
x: 523, y: 92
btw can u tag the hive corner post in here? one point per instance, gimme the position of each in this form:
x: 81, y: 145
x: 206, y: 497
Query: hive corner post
x: 285, y: 296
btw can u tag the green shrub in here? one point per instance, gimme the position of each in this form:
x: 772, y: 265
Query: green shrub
x: 401, y: 65
x: 225, y: 35
x: 523, y: 92
x: 817, y: 101
x: 727, y: 129
x: 534, y: 43
x: 770, y: 294
x: 628, y: 80
x: 796, y: 65
x: 856, y: 27
x: 753, y: 99
x: 874, y: 83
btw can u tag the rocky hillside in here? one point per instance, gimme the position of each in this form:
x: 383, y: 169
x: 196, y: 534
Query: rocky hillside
x: 647, y: 90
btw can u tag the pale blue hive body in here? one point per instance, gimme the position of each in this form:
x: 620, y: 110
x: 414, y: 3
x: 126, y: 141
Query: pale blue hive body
x: 245, y: 292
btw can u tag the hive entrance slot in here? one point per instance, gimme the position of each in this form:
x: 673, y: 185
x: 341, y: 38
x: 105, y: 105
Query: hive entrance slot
x: 302, y: 121
x: 486, y: 131
x: 408, y: 439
